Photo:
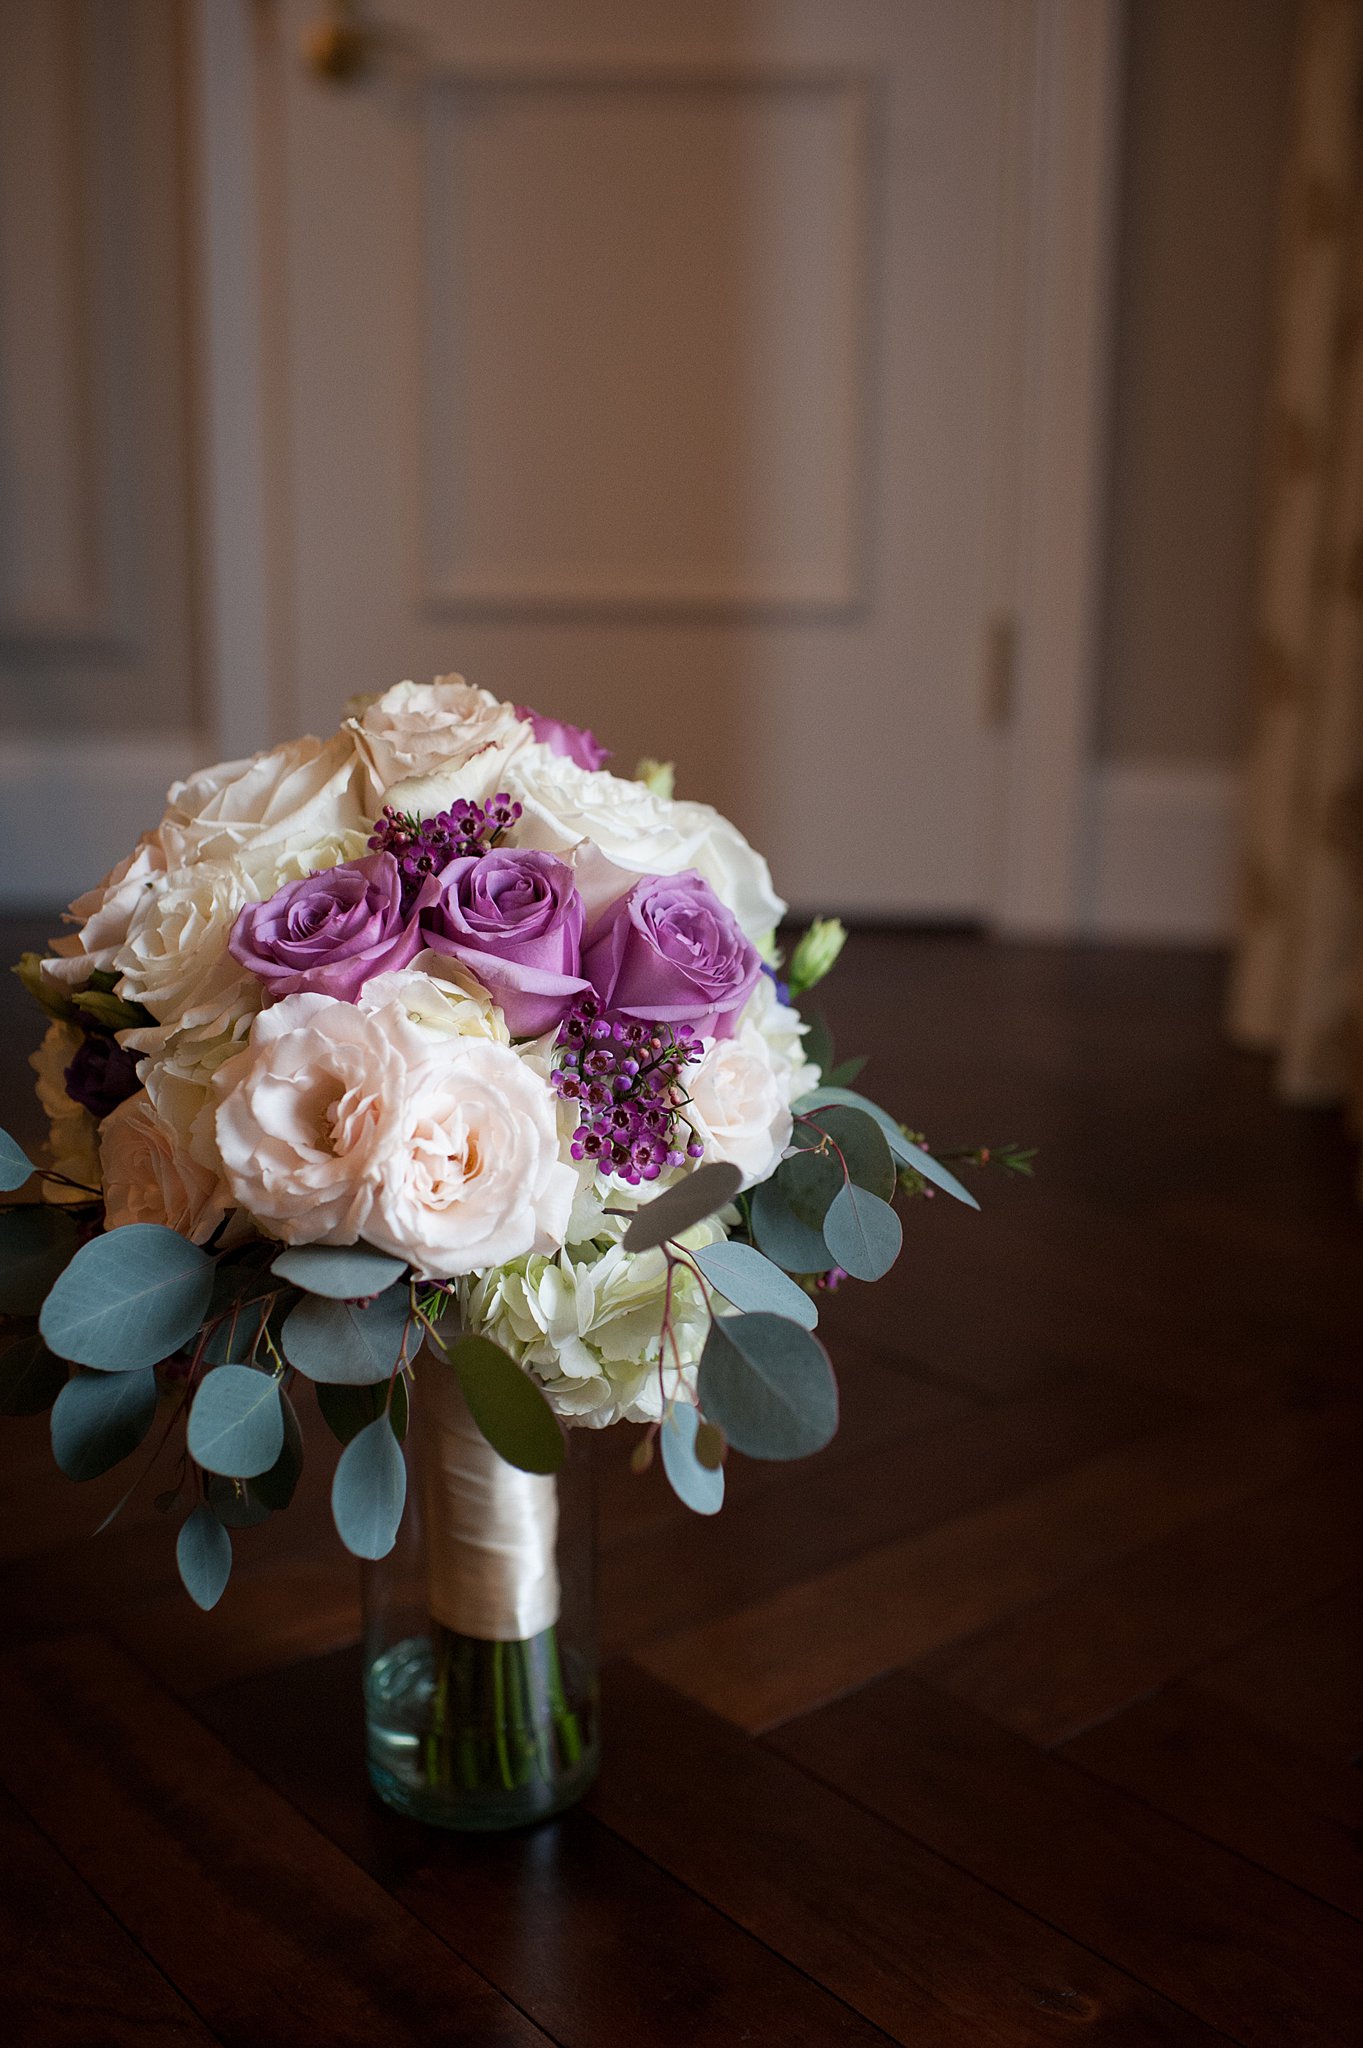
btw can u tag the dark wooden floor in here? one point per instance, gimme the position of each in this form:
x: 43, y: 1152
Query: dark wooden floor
x: 1029, y: 1712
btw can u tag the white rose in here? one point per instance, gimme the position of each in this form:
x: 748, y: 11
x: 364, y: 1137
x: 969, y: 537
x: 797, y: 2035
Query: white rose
x: 305, y: 1122
x: 299, y: 794
x: 440, y: 998
x: 270, y: 867
x: 175, y: 959
x: 415, y: 728
x: 72, y: 1133
x: 475, y: 1177
x: 104, y: 914
x: 739, y: 1108
x: 735, y: 871
x: 151, y: 1177
x: 784, y: 1030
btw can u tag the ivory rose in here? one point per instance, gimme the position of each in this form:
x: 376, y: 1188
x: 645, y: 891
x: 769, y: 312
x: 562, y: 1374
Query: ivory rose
x: 415, y: 728
x: 104, y: 914
x: 175, y: 960
x: 150, y: 1176
x: 294, y: 796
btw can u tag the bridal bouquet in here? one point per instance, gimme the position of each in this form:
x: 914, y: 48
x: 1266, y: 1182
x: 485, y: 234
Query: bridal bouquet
x: 434, y: 1064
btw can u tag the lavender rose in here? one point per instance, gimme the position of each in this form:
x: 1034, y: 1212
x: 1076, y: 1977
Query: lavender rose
x: 103, y: 1074
x: 670, y: 952
x: 514, y: 918
x: 574, y: 742
x: 328, y: 933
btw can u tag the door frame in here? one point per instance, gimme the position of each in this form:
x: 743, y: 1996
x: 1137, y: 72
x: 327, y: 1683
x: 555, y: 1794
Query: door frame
x: 1053, y: 348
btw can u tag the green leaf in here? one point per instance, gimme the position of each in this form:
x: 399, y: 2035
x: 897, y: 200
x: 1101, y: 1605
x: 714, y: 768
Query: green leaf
x: 701, y: 1193
x: 15, y: 1164
x: 843, y: 1075
x: 29, y: 970
x: 817, y: 1046
x: 863, y: 1233
x: 203, y: 1552
x: 864, y: 1148
x: 344, y: 1343
x: 110, y: 1011
x: 695, y: 1485
x: 750, y: 1281
x: 128, y: 1298
x: 233, y: 1502
x: 341, y: 1272
x: 769, y: 1386
x: 506, y: 1404
x: 275, y: 1488
x: 369, y: 1490
x: 30, y: 1377
x: 908, y: 1154
x: 785, y: 1237
x: 100, y: 1419
x: 347, y: 1410
x: 236, y: 1425
x: 36, y: 1243
x: 807, y: 1182
x: 233, y: 1341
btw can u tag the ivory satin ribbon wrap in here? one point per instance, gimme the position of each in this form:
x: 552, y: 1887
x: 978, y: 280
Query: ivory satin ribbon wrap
x: 490, y: 1529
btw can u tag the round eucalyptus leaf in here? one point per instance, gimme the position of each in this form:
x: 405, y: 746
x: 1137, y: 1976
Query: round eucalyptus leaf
x: 701, y: 1193
x: 750, y: 1281
x: 100, y: 1419
x: 128, y: 1298
x: 808, y: 1182
x: 236, y: 1425
x: 15, y: 1164
x: 36, y: 1243
x: 346, y: 1343
x: 347, y: 1410
x: 369, y: 1490
x: 507, y: 1405
x: 341, y: 1272
x: 782, y: 1235
x: 275, y: 1488
x: 30, y: 1377
x: 235, y: 1339
x: 697, y: 1486
x: 905, y: 1152
x: 858, y: 1145
x: 769, y: 1386
x: 233, y: 1502
x: 863, y: 1233
x: 203, y: 1552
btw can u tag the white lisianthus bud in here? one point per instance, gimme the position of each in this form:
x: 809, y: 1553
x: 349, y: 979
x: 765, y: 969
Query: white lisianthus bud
x: 815, y: 954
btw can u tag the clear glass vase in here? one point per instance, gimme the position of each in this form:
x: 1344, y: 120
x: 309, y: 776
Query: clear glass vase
x: 480, y: 1655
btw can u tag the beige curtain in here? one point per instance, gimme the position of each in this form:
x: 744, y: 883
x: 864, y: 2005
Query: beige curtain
x: 1298, y: 986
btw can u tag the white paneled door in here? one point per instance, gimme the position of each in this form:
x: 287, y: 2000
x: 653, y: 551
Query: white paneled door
x: 643, y: 363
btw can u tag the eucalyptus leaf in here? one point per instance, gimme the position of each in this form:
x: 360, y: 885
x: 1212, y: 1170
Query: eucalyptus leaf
x: 857, y: 1144
x: 236, y: 1424
x: 203, y: 1552
x: 785, y: 1237
x: 341, y: 1272
x: 695, y: 1485
x: 843, y: 1075
x: 769, y: 1386
x: 233, y: 1502
x: 507, y: 1405
x: 100, y: 1419
x: 904, y: 1151
x: 233, y: 1341
x: 15, y: 1164
x: 750, y: 1281
x: 817, y: 1046
x: 807, y: 1182
x: 347, y: 1343
x: 701, y: 1193
x: 36, y: 1243
x: 369, y: 1490
x: 128, y: 1298
x: 30, y: 1377
x: 863, y: 1233
x: 275, y: 1488
x: 347, y: 1410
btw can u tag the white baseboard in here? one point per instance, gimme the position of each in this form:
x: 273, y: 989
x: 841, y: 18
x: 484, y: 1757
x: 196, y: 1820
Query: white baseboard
x: 70, y: 808
x: 1160, y: 859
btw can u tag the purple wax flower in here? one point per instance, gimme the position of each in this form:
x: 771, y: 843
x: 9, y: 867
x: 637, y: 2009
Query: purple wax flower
x: 670, y: 952
x: 103, y: 1074
x: 328, y: 933
x: 573, y: 741
x: 515, y: 919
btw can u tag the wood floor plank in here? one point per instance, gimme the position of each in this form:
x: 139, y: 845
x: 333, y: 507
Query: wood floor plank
x: 1303, y: 1676
x: 265, y: 1621
x: 806, y: 1644
x: 586, y: 1935
x: 1248, y: 1953
x: 259, y: 1922
x: 1126, y: 1629
x: 1215, y: 1770
x: 72, y: 1977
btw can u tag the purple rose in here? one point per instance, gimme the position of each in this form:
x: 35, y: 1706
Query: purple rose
x: 328, y: 933
x: 573, y: 741
x: 515, y: 920
x: 103, y: 1074
x: 671, y: 953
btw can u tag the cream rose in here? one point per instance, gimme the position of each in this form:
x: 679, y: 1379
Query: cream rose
x: 474, y: 1176
x: 305, y: 1122
x: 738, y: 1107
x: 175, y: 961
x: 104, y: 914
x: 151, y: 1177
x: 415, y: 728
x: 440, y: 998
x: 301, y: 794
